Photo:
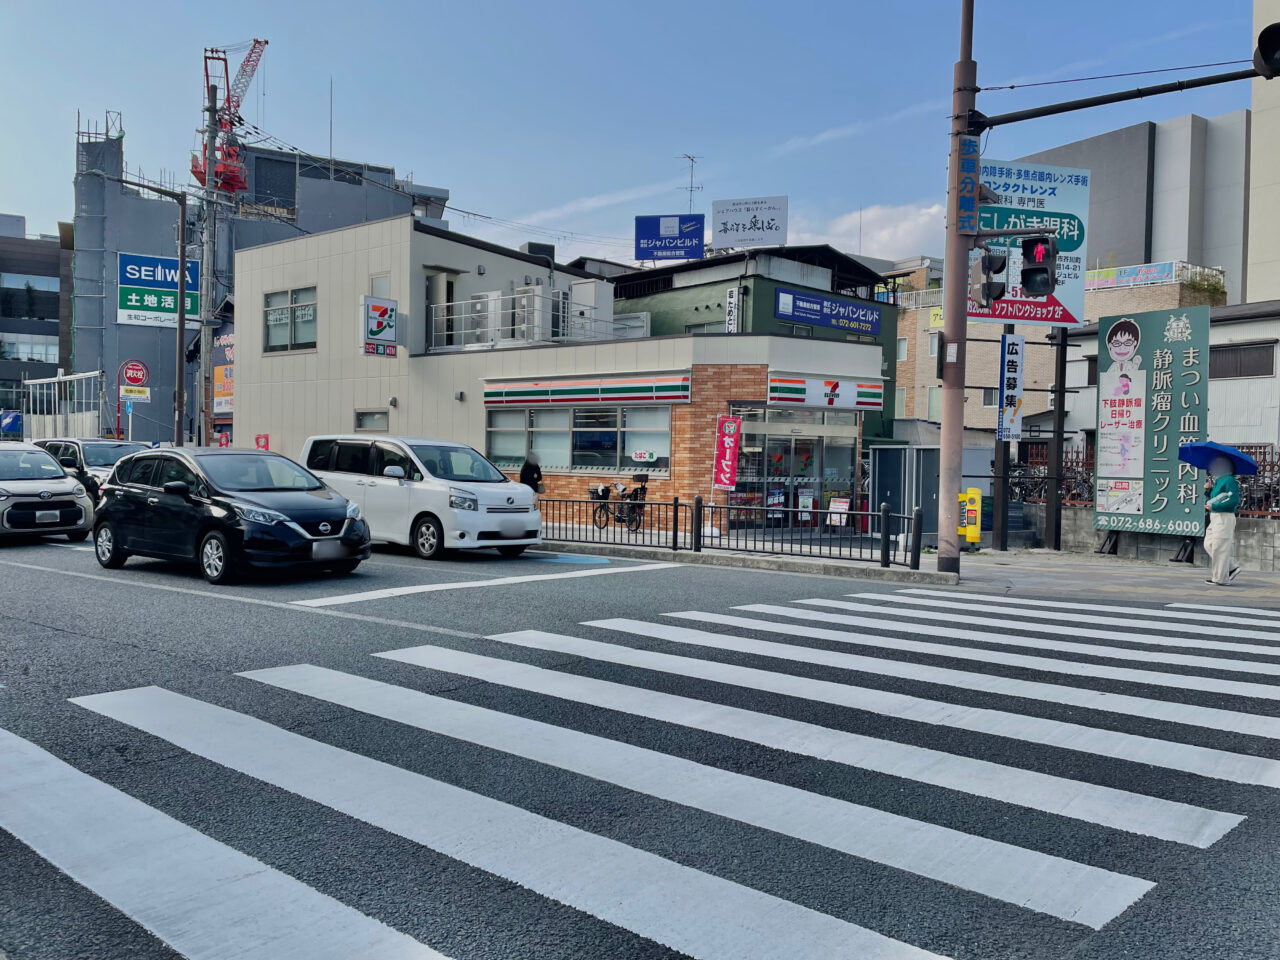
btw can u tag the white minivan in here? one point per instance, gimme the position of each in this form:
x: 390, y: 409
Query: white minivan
x: 432, y: 495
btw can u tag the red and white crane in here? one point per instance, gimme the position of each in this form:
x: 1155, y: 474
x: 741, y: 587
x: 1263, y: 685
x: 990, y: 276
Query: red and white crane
x: 229, y: 173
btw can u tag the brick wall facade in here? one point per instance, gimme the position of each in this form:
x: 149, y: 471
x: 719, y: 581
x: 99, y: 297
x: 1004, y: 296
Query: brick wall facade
x: 1112, y: 301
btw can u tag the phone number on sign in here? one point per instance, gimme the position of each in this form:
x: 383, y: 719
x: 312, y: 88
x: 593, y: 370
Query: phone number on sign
x: 1111, y: 521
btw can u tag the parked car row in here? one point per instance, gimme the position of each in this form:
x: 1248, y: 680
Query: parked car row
x: 231, y: 511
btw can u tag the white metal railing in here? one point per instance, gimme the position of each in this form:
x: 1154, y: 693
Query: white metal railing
x: 487, y: 322
x: 1152, y: 274
x: 69, y: 405
x: 917, y: 299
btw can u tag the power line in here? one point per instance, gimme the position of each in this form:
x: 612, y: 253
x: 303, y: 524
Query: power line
x: 1113, y: 76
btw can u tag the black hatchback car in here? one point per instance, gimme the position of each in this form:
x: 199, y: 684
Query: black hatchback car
x: 227, y: 510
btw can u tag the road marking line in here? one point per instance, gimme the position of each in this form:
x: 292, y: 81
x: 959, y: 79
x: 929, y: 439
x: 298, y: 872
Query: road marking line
x: 1036, y: 643
x: 1077, y: 800
x: 1204, y: 761
x: 685, y: 909
x: 1162, y: 612
x: 1255, y: 611
x: 388, y: 592
x: 203, y: 898
x: 1251, y: 723
x: 1026, y: 878
x: 1074, y: 616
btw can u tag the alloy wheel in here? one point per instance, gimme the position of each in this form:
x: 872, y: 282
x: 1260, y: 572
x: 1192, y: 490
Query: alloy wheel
x: 212, y: 558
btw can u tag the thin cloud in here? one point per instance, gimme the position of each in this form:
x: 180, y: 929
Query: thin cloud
x: 888, y: 232
x: 856, y: 128
x: 601, y: 200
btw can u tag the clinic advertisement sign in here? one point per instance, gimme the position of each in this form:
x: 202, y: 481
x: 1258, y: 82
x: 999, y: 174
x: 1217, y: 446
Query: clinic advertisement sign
x: 801, y: 306
x: 724, y: 469
x: 147, y: 293
x: 380, y: 319
x: 750, y: 222
x: 1013, y: 352
x: 1153, y: 396
x: 674, y: 237
x: 1142, y: 275
x: 1038, y: 197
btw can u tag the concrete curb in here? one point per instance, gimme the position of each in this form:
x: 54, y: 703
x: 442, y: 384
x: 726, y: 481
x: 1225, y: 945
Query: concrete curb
x: 814, y: 566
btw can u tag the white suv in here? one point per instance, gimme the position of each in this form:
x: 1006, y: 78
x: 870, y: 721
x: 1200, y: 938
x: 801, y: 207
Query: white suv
x: 37, y: 497
x: 432, y: 495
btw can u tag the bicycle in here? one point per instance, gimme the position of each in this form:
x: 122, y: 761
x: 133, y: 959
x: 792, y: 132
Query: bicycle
x: 630, y: 504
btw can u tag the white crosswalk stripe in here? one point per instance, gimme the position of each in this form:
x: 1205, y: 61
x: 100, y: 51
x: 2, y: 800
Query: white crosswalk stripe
x: 1251, y: 611
x: 206, y: 899
x: 1070, y: 891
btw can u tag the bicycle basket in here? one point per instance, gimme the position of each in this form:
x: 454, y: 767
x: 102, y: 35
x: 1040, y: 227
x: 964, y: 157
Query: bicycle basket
x: 599, y: 492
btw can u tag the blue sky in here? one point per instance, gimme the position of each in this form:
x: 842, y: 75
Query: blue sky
x: 571, y: 115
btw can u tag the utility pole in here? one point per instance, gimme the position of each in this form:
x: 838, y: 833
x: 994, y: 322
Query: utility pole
x: 955, y: 308
x: 205, y: 415
x: 1053, y: 490
x: 180, y: 349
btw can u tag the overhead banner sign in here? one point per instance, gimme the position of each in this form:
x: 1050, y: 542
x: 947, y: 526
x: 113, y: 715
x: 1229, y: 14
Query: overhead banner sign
x: 724, y: 469
x: 675, y: 237
x: 1035, y: 196
x: 148, y: 291
x: 380, y: 326
x: 1136, y: 276
x: 1153, y: 396
x: 801, y: 306
x: 852, y: 394
x: 750, y: 222
x: 1013, y: 352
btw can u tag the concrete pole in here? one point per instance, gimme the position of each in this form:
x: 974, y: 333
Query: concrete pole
x: 180, y: 367
x: 204, y: 417
x: 955, y: 308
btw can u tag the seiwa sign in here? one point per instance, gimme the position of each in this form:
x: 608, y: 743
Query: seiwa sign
x: 148, y: 290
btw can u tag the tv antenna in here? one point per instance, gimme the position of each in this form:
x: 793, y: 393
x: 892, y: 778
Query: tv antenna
x: 691, y: 188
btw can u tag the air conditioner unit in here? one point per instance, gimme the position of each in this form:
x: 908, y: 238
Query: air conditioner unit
x: 527, y: 315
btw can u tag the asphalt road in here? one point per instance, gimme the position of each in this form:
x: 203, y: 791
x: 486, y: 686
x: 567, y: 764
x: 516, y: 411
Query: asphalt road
x: 536, y: 759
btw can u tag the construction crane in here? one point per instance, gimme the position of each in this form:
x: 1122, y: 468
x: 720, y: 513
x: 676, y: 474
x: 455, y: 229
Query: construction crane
x: 229, y: 173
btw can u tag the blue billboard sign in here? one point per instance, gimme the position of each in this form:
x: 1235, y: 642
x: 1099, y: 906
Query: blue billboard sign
x: 675, y: 237
x: 801, y: 306
x: 10, y: 423
x: 156, y: 273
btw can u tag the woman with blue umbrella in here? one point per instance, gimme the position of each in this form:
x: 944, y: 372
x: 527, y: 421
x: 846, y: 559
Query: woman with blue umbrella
x: 1222, y: 500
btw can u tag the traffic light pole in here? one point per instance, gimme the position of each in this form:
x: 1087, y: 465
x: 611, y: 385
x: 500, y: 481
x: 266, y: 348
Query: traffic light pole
x: 955, y: 308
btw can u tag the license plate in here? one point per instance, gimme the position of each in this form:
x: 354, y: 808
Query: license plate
x: 327, y: 550
x: 47, y: 516
x: 512, y: 526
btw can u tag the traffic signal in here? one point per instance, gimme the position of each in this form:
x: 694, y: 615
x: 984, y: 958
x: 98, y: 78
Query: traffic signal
x: 1266, y: 56
x: 1039, y: 266
x: 983, y: 289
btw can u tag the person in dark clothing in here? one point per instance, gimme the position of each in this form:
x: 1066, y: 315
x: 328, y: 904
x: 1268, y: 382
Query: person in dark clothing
x: 531, y: 473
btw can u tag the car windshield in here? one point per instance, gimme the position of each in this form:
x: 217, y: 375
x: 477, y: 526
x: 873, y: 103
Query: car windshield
x: 246, y: 472
x: 457, y: 463
x: 28, y: 465
x: 106, y: 454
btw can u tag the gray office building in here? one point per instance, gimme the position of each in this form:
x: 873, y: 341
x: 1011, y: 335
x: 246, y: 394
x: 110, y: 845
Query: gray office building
x: 288, y: 195
x: 1174, y: 190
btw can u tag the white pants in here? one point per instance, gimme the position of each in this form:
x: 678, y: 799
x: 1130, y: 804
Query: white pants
x: 1218, y: 542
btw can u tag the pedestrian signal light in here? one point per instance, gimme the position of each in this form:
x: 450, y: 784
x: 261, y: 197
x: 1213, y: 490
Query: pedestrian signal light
x: 984, y: 290
x: 1039, y: 266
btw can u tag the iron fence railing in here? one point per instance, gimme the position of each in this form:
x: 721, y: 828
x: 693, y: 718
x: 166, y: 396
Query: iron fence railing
x: 878, y: 536
x: 1029, y: 482
x: 1260, y: 493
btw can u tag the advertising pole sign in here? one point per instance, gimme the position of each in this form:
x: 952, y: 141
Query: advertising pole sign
x: 750, y: 222
x: 731, y: 309
x: 148, y: 290
x: 724, y: 470
x: 1035, y: 196
x: 675, y: 237
x: 1013, y: 350
x: 379, y: 326
x: 1153, y: 396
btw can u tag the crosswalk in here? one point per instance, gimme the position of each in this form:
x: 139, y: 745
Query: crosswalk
x: 930, y: 754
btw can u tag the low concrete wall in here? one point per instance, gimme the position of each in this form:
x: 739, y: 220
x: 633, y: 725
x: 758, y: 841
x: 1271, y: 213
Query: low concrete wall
x: 1257, y: 539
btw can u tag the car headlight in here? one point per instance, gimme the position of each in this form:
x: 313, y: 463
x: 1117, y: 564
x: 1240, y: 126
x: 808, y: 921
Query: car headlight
x: 4, y: 494
x: 353, y: 510
x: 461, y: 500
x: 258, y: 514
x: 80, y: 491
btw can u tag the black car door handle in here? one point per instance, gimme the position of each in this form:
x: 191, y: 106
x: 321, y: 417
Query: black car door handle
x: 153, y: 500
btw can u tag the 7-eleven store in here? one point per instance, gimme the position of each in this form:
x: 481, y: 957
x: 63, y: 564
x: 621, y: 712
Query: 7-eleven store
x: 802, y: 403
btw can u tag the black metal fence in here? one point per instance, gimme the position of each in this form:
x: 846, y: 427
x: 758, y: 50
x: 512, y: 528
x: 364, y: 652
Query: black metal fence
x: 875, y: 536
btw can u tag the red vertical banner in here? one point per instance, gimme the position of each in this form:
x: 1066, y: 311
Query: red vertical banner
x: 724, y: 470
x: 262, y: 441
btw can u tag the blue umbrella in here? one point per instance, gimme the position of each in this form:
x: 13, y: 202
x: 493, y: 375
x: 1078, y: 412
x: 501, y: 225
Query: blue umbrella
x: 1201, y: 455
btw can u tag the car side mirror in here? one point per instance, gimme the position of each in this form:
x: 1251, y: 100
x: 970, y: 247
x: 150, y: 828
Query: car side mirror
x: 396, y: 473
x: 69, y: 462
x: 178, y: 488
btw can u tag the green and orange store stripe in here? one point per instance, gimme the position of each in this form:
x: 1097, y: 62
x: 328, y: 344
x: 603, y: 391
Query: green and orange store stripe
x: 665, y: 389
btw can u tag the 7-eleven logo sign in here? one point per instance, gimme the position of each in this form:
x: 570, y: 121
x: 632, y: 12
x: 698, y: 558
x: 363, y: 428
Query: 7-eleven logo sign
x: 831, y: 392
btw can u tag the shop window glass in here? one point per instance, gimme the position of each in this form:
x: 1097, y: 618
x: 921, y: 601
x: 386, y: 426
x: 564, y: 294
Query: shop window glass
x: 900, y: 403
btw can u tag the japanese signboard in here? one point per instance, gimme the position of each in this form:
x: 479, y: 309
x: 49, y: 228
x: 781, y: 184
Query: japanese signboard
x: 967, y: 201
x: 1153, y: 396
x: 724, y: 469
x: 752, y: 222
x: 731, y: 309
x: 675, y: 237
x: 1013, y: 354
x: 224, y: 389
x: 1034, y: 196
x: 141, y: 394
x: 148, y: 290
x: 1137, y: 276
x: 840, y: 394
x: 801, y: 306
x: 134, y: 373
x: 380, y: 327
